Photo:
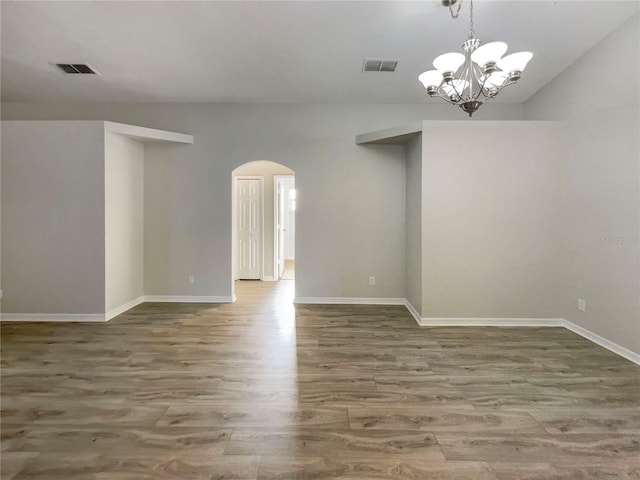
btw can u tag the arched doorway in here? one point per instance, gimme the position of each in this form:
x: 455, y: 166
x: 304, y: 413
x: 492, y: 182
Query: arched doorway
x: 263, y: 224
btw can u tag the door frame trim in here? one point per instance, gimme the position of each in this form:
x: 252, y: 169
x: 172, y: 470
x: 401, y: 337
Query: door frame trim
x: 235, y: 223
x: 276, y: 178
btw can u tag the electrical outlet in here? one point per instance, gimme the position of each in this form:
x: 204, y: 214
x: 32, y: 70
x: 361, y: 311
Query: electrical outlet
x: 372, y: 280
x: 192, y: 279
x: 582, y: 305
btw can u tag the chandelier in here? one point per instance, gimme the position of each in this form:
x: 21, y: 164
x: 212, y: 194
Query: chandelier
x: 468, y: 80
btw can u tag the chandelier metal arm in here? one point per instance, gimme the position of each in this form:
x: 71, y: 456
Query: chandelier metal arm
x: 447, y: 99
x: 460, y: 100
x: 458, y: 94
x: 482, y: 85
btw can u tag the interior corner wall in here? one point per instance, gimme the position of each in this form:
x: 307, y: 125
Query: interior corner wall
x: 124, y: 220
x: 604, y: 78
x: 53, y: 217
x: 489, y: 220
x: 266, y: 169
x: 601, y: 224
x: 413, y: 222
x: 600, y: 184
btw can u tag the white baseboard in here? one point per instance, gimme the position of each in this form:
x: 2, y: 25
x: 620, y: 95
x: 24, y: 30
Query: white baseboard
x: 349, y: 301
x: 412, y: 310
x: 187, y: 299
x: 479, y: 321
x: 603, y: 342
x: 53, y: 317
x: 524, y: 322
x: 123, y: 308
x: 268, y: 278
x: 489, y: 322
x: 104, y: 317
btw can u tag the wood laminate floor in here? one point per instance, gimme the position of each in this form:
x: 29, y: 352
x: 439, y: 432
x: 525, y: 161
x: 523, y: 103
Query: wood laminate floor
x: 262, y: 390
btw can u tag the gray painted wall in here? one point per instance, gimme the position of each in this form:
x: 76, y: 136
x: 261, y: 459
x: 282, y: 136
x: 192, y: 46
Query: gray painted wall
x: 600, y: 184
x: 351, y: 205
x: 414, y: 223
x: 53, y: 217
x: 124, y: 220
x: 489, y: 221
x: 605, y: 77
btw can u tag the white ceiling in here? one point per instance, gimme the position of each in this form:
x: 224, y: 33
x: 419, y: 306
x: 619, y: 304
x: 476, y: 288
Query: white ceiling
x: 312, y: 51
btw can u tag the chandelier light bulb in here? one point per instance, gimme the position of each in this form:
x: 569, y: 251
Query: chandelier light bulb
x: 487, y: 55
x: 448, y: 63
x: 431, y: 78
x: 516, y: 62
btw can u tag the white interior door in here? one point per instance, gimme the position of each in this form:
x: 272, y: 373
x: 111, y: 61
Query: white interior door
x: 249, y: 222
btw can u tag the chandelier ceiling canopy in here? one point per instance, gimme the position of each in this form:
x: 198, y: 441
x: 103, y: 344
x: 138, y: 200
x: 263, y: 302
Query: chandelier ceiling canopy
x: 468, y: 80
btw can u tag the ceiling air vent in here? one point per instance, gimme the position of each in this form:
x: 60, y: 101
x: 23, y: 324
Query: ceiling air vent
x: 377, y: 65
x: 76, y: 68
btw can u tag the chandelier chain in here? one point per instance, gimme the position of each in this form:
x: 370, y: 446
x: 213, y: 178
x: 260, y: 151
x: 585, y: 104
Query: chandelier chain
x: 457, y: 12
x: 472, y: 32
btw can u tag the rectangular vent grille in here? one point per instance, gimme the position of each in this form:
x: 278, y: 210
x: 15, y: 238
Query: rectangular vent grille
x: 377, y: 65
x: 76, y: 68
